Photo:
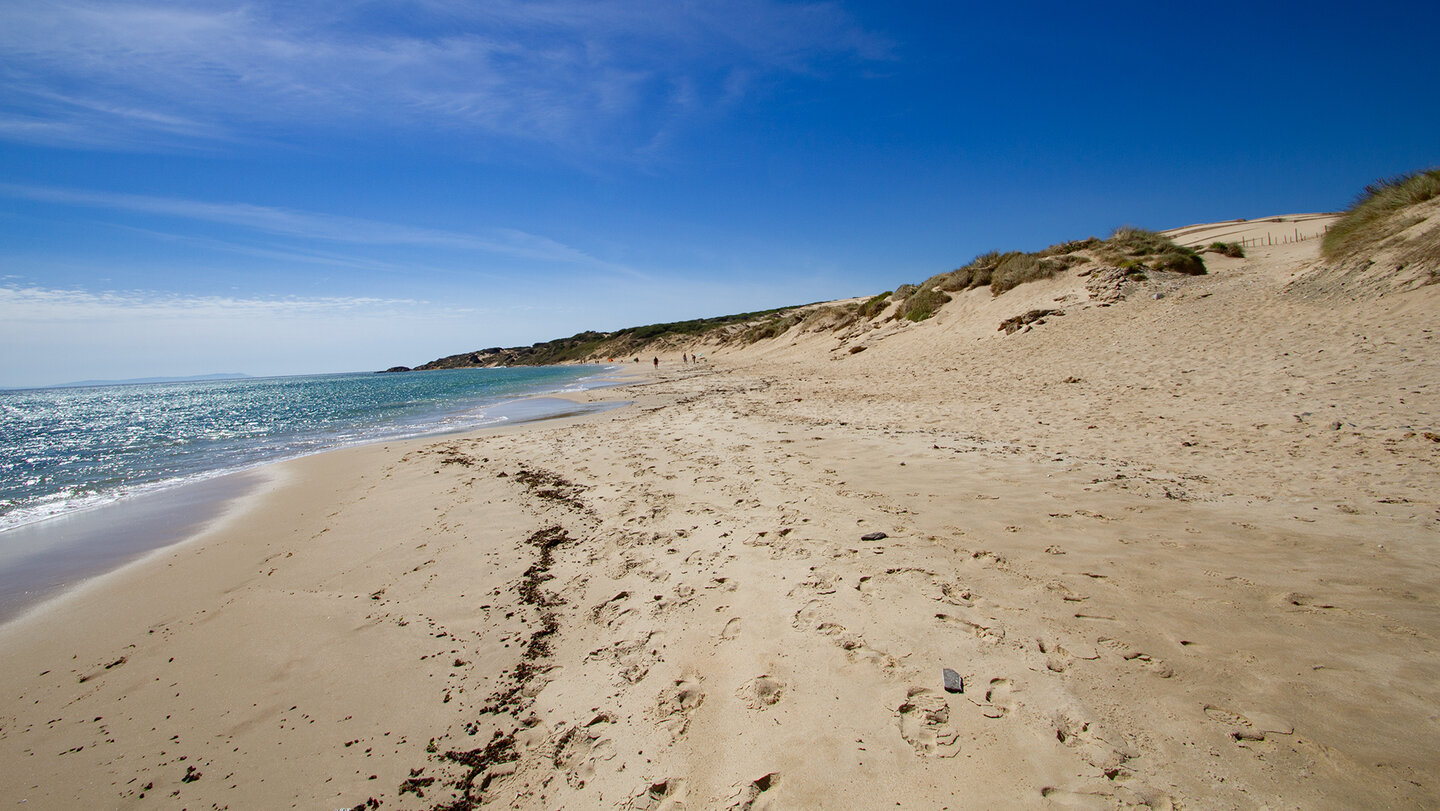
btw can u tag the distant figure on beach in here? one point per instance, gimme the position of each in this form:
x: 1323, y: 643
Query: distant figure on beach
x: 657, y: 363
x: 684, y: 358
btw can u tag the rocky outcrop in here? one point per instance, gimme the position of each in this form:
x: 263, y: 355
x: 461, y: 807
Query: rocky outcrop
x: 1010, y: 325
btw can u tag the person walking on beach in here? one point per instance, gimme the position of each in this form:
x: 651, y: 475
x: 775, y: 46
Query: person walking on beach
x: 657, y: 363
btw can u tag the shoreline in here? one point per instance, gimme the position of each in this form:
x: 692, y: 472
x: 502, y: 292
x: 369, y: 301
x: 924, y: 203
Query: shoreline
x: 495, y: 412
x: 44, y: 560
x: 185, y: 581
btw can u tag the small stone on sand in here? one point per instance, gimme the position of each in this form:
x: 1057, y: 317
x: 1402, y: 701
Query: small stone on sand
x: 953, y: 682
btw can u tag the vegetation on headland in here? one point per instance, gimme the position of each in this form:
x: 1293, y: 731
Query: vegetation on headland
x: 1381, y: 215
x: 591, y: 345
x: 1133, y: 250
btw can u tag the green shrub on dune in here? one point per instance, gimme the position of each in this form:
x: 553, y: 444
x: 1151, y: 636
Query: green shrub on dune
x: 1072, y: 246
x: 1024, y: 267
x: 976, y: 273
x: 1132, y: 241
x: 1183, y: 260
x: 1137, y: 246
x: 921, y: 304
x: 874, y: 306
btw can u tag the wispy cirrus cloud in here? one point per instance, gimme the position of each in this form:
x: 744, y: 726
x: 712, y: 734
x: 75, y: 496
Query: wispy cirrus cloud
x: 597, y: 74
x: 311, y: 226
x: 22, y: 304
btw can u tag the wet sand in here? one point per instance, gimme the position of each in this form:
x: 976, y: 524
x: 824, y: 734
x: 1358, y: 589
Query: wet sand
x: 41, y: 560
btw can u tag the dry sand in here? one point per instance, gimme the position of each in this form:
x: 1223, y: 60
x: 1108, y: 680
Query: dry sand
x: 1181, y: 549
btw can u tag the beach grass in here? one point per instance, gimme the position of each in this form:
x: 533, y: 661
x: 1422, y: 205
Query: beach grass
x: 922, y: 304
x: 1379, y: 216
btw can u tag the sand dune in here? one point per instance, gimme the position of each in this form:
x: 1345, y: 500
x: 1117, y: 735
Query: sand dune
x: 1176, y: 540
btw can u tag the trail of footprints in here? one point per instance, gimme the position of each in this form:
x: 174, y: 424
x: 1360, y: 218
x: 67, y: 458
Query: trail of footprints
x: 928, y: 719
x: 924, y: 718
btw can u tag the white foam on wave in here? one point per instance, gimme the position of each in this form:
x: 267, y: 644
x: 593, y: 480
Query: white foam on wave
x: 489, y: 413
x: 58, y: 505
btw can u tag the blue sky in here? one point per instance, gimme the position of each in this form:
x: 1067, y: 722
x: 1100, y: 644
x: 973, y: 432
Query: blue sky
x: 279, y: 187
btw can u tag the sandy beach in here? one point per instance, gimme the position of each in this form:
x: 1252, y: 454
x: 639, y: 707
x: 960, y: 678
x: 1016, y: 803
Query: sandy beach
x: 1177, y: 542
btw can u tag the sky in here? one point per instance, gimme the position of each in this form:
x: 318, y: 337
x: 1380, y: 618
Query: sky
x: 273, y: 187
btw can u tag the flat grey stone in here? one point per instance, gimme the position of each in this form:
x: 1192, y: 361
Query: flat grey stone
x: 953, y: 682
x: 874, y: 536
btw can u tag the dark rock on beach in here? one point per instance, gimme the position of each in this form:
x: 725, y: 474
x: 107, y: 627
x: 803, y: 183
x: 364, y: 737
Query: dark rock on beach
x: 953, y: 682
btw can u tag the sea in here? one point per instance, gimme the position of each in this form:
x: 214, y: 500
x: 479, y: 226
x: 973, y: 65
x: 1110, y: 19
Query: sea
x: 104, y: 473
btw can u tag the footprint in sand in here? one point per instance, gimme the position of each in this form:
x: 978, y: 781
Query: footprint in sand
x: 666, y: 795
x: 912, y: 580
x: 676, y: 703
x: 925, y: 723
x: 998, y: 702
x: 809, y: 615
x: 612, y: 611
x: 1056, y: 797
x: 632, y: 656
x: 1129, y: 654
x: 819, y: 583
x: 990, y: 631
x: 753, y: 795
x: 1074, y: 728
x: 761, y: 692
x: 1249, y: 726
x: 1078, y: 650
x: 580, y: 749
x: 857, y: 651
x: 1066, y: 593
x: 731, y: 629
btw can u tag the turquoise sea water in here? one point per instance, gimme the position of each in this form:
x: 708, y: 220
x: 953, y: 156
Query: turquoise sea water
x: 65, y: 450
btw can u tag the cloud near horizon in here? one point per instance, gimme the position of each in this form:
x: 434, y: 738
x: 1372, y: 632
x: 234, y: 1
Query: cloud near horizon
x: 302, y: 225
x: 608, y: 76
x: 140, y: 333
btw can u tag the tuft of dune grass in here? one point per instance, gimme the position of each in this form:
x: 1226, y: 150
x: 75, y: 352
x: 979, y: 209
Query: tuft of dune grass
x: 874, y: 306
x: 922, y: 304
x: 1379, y: 214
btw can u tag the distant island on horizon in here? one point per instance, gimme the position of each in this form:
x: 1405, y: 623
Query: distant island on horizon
x: 80, y: 384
